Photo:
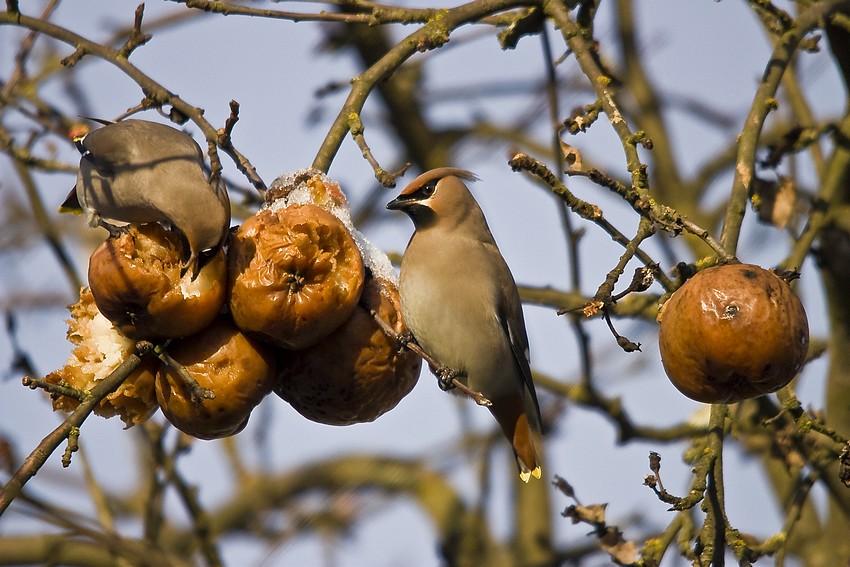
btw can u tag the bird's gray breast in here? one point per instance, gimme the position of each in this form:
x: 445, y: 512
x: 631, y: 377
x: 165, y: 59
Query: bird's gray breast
x: 449, y: 303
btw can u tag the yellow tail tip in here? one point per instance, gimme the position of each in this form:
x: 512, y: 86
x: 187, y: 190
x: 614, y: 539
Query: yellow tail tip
x: 525, y: 475
x: 71, y: 203
x: 71, y: 210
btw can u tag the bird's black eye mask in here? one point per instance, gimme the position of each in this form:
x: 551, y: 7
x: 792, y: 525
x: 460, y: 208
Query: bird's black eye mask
x: 426, y: 191
x: 84, y: 151
x: 412, y: 203
x: 102, y: 168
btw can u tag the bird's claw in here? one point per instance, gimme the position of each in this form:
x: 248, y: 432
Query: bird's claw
x: 114, y: 230
x: 402, y: 341
x: 446, y: 377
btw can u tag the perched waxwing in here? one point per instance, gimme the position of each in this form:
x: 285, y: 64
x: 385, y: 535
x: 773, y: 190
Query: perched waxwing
x: 460, y: 302
x: 137, y: 171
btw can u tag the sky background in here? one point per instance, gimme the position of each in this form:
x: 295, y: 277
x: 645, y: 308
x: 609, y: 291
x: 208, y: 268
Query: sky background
x: 706, y: 51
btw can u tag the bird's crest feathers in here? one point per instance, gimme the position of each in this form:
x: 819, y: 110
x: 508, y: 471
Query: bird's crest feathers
x: 98, y: 120
x: 437, y: 174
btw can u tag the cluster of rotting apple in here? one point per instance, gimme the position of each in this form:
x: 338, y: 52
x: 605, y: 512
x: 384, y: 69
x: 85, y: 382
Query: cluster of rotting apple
x: 286, y: 305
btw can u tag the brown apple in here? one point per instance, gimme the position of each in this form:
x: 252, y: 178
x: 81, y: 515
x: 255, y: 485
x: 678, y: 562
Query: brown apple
x: 732, y: 332
x: 295, y: 275
x: 136, y: 282
x: 239, y: 371
x: 356, y: 374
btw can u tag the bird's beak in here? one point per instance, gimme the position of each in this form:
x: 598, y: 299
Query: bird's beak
x: 192, y: 266
x: 401, y: 203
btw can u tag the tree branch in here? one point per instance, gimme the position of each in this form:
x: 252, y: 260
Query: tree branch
x: 763, y: 102
x: 39, y: 455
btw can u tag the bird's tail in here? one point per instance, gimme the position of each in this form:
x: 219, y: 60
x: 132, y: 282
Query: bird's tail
x: 72, y: 203
x: 513, y: 419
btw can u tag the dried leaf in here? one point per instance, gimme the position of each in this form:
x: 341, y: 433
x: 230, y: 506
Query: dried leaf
x: 774, y: 201
x: 592, y: 308
x: 571, y: 156
x: 564, y: 486
x: 621, y: 550
x: 654, y: 462
x: 594, y: 513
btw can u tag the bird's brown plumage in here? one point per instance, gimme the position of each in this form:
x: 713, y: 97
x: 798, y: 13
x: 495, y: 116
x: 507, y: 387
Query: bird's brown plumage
x: 139, y: 171
x: 461, y: 304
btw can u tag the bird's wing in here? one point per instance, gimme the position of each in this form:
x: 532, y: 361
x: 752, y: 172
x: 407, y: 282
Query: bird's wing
x: 509, y: 312
x: 137, y: 144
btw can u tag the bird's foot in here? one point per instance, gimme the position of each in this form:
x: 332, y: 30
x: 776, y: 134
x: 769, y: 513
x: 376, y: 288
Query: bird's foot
x: 114, y: 230
x: 446, y: 377
x: 403, y: 341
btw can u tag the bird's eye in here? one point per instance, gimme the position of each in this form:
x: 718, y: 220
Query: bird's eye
x: 428, y: 189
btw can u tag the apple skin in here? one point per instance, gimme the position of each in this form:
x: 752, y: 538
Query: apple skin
x: 357, y: 373
x: 136, y: 283
x: 295, y: 275
x: 239, y: 371
x: 732, y: 332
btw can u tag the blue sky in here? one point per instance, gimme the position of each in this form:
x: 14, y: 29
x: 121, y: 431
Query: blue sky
x: 710, y: 52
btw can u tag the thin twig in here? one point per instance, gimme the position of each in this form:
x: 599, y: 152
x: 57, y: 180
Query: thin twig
x: 431, y: 35
x: 572, y: 235
x: 584, y: 53
x: 55, y: 389
x: 197, y: 393
x: 763, y: 102
x: 155, y: 94
x: 39, y: 455
x: 604, y: 293
x: 666, y: 217
x: 410, y: 344
x: 832, y: 183
x: 715, y: 527
x: 200, y: 518
x: 136, y: 38
x: 587, y: 211
x: 804, y: 421
x: 612, y: 408
x: 384, y: 177
x: 372, y: 15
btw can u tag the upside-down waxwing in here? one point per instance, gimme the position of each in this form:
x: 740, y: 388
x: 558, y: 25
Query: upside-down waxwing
x: 460, y: 302
x: 137, y: 171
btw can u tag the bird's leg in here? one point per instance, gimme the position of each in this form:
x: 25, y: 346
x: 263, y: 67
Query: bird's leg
x: 449, y: 378
x: 446, y: 376
x: 114, y: 230
x: 95, y: 220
